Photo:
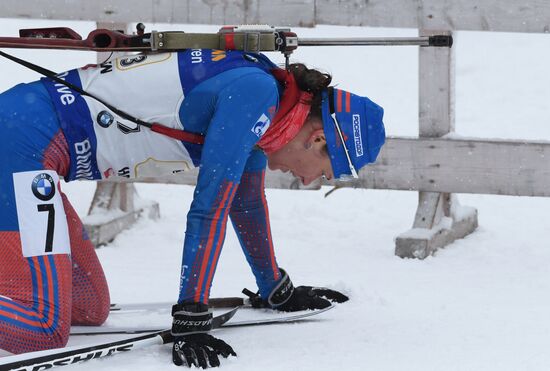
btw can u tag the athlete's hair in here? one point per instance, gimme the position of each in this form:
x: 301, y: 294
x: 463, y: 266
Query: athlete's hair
x: 312, y: 81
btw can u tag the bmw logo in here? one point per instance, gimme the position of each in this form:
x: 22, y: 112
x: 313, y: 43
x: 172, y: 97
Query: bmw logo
x: 43, y: 187
x: 105, y: 119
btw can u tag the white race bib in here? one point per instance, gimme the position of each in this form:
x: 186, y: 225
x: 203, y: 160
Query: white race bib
x: 42, y: 220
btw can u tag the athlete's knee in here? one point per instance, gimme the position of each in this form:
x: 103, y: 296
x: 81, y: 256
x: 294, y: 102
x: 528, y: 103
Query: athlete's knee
x: 17, y: 340
x: 57, y: 338
x: 92, y: 316
x: 90, y: 307
x: 91, y: 300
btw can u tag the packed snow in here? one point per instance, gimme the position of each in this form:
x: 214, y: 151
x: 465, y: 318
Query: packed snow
x: 480, y: 304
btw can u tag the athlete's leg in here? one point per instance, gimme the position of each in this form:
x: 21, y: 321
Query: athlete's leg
x: 35, y: 308
x: 90, y: 291
x: 35, y: 265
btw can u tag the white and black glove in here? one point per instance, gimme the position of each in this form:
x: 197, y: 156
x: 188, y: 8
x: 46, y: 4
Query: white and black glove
x: 287, y: 298
x: 193, y: 346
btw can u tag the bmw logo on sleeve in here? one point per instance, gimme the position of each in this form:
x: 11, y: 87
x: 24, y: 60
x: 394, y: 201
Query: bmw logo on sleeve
x: 43, y: 187
x: 105, y: 119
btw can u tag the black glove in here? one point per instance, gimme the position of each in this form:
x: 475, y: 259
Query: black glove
x: 200, y: 350
x: 307, y: 297
x: 192, y: 345
x: 285, y: 297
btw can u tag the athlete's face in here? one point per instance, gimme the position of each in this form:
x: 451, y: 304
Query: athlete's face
x: 305, y: 156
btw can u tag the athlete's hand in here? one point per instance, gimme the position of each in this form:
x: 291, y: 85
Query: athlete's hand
x: 193, y: 346
x: 287, y: 298
x: 308, y: 297
x: 200, y: 350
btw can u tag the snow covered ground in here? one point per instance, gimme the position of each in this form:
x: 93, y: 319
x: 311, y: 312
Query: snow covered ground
x: 480, y: 304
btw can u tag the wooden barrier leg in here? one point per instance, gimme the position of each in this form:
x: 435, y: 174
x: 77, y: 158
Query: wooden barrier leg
x: 439, y: 221
x: 113, y: 210
x: 439, y: 218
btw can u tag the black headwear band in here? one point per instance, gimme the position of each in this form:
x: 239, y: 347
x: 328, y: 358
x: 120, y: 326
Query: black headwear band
x: 330, y: 92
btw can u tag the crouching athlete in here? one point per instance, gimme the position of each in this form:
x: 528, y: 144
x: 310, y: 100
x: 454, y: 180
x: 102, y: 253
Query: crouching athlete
x: 251, y: 113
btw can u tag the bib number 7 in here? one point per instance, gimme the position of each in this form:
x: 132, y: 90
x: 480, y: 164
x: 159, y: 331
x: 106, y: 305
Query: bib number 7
x: 51, y: 224
x: 42, y: 220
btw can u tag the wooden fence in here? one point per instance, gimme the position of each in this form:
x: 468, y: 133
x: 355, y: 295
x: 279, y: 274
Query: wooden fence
x: 434, y: 164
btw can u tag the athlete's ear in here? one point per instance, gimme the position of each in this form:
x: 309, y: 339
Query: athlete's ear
x: 316, y: 138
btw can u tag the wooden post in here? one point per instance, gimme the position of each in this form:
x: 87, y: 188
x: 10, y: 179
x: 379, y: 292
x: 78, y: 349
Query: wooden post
x: 439, y: 218
x: 113, y: 209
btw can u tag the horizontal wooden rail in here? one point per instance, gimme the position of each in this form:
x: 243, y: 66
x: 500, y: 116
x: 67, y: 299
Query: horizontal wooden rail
x: 481, y: 166
x: 480, y: 15
x: 461, y: 166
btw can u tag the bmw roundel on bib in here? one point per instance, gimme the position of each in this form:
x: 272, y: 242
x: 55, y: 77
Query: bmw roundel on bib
x: 43, y: 187
x: 41, y: 216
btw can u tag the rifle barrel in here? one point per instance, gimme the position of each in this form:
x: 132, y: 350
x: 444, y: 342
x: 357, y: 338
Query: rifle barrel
x: 383, y: 41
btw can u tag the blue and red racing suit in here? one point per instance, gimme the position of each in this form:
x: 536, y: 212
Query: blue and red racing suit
x: 50, y: 276
x: 230, y: 97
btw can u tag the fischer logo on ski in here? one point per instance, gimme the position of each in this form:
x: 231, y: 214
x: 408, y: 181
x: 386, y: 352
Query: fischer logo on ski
x: 78, y: 358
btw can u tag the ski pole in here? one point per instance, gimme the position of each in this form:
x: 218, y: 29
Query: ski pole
x: 46, y: 359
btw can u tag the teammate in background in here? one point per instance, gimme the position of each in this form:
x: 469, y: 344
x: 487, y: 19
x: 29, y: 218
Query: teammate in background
x: 251, y: 113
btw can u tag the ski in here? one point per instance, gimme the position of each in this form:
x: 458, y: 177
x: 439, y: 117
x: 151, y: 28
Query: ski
x: 103, y: 330
x: 286, y: 319
x: 47, y: 359
x: 224, y: 302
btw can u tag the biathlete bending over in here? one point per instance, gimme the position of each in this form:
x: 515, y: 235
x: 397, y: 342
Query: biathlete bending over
x: 251, y: 113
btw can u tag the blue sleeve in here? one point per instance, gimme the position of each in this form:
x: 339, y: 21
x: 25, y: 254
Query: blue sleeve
x: 250, y: 217
x: 240, y: 106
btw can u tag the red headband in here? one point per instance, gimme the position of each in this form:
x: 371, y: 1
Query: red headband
x: 291, y: 115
